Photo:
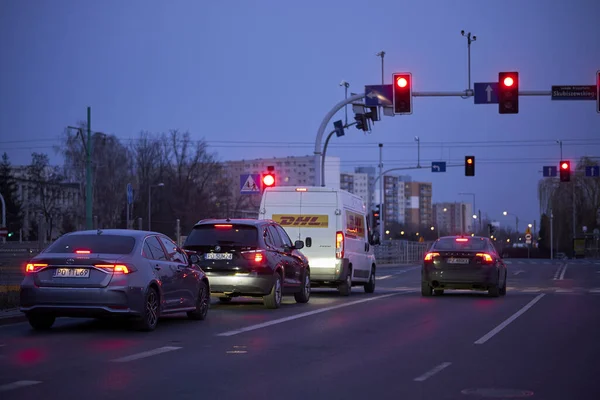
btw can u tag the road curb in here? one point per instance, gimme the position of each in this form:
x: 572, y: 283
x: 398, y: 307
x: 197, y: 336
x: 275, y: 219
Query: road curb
x: 11, y: 317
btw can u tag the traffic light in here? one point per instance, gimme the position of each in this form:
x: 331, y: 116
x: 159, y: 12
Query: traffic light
x: 508, y: 92
x: 376, y: 214
x: 268, y: 179
x: 565, y: 171
x: 402, y: 88
x: 598, y: 92
x: 491, y: 230
x: 469, y: 165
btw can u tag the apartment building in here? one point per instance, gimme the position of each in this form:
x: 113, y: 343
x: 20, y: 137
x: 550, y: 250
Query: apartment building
x: 453, y: 218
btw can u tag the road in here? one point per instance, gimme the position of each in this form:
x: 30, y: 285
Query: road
x: 541, y: 341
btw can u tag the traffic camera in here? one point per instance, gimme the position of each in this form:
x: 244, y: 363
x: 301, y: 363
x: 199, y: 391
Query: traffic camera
x: 469, y: 165
x: 402, y: 90
x: 508, y: 92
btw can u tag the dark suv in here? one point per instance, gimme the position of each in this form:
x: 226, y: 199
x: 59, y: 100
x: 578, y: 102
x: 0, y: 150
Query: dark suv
x: 248, y: 257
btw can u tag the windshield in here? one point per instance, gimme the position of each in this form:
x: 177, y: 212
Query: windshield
x: 113, y: 244
x: 223, y: 235
x: 449, y: 244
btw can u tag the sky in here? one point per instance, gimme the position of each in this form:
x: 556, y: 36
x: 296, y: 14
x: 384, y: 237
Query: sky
x: 255, y: 78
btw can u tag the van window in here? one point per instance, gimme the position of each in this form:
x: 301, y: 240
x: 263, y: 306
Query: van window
x: 355, y: 224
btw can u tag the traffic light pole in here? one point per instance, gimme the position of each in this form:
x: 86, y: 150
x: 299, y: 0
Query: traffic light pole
x: 88, y: 172
x: 325, y: 152
x: 3, y: 215
x: 381, y: 213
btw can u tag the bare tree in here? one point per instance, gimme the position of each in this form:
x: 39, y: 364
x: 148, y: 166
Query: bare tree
x: 46, y: 192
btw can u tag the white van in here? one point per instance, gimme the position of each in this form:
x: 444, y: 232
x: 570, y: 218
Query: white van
x: 335, y: 229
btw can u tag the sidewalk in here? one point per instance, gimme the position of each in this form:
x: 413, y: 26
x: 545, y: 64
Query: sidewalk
x: 11, y: 316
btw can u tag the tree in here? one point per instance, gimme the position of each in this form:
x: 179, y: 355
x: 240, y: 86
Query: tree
x: 46, y: 190
x: 8, y: 189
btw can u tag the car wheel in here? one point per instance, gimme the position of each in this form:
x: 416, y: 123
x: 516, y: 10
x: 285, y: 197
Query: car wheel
x: 370, y: 286
x: 225, y: 299
x: 503, y: 290
x: 149, y: 318
x: 426, y: 289
x: 304, y: 294
x: 273, y: 299
x: 346, y: 288
x: 41, y: 322
x: 438, y: 292
x: 202, y: 303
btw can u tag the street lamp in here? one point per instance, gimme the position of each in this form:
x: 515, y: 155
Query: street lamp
x: 150, y: 203
x: 505, y: 213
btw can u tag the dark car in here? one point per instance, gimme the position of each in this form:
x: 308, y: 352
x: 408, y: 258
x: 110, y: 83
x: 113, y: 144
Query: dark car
x: 248, y: 257
x: 463, y: 262
x: 113, y: 273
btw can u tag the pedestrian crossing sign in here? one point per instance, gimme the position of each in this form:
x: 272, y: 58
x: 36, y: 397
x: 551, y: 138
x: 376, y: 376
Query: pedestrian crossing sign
x: 250, y: 184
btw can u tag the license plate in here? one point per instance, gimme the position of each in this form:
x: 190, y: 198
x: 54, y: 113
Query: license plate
x: 218, y: 256
x: 72, y: 273
x: 458, y: 261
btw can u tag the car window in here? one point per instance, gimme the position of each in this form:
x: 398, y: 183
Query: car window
x: 274, y: 235
x: 448, y: 244
x: 156, y: 249
x: 111, y: 244
x: 284, y: 236
x: 170, y: 248
x: 223, y: 234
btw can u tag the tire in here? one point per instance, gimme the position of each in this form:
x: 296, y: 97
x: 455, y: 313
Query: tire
x: 438, y: 292
x: 41, y: 322
x: 202, y: 303
x: 426, y: 289
x: 503, y: 290
x: 494, y: 291
x: 346, y: 288
x: 225, y: 299
x: 370, y: 286
x: 149, y: 318
x: 273, y: 299
x: 303, y: 296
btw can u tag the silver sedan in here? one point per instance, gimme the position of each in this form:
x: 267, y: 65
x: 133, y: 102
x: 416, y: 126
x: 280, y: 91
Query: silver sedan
x: 97, y: 273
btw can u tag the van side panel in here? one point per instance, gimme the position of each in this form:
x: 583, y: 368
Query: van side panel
x: 280, y: 206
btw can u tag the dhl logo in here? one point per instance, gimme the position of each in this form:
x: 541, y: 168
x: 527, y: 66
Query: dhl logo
x: 311, y: 221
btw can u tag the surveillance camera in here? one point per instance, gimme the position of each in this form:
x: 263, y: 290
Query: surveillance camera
x: 462, y: 32
x: 342, y: 83
x: 474, y: 37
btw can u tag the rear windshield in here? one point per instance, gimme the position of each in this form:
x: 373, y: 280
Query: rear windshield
x: 111, y: 244
x: 462, y: 244
x: 224, y: 235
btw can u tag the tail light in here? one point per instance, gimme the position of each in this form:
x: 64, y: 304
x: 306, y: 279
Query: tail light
x: 339, y: 244
x: 462, y: 240
x: 256, y: 256
x: 429, y: 256
x: 486, y: 257
x: 82, y: 252
x: 31, y: 268
x: 116, y: 268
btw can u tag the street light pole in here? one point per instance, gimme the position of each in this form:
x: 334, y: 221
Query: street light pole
x: 88, y: 172
x: 381, y: 213
x: 418, y: 151
x: 3, y: 214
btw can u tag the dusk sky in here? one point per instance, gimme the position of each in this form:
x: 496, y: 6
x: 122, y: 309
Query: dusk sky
x: 255, y: 78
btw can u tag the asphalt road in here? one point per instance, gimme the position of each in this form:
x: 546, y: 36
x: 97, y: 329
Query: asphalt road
x: 541, y: 341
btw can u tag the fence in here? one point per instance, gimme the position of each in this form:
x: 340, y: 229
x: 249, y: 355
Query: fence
x: 400, y: 252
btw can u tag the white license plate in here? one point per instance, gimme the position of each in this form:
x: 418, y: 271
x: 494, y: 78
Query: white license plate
x: 458, y: 261
x: 72, y: 273
x: 218, y: 256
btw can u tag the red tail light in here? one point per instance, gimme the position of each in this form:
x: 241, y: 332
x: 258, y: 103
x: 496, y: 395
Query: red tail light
x: 486, y: 257
x: 83, y: 252
x: 429, y: 256
x: 115, y: 268
x: 257, y: 256
x: 223, y: 226
x: 462, y: 239
x: 30, y: 268
x: 339, y: 244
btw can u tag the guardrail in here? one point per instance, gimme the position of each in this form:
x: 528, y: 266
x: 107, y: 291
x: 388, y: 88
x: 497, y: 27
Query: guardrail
x: 400, y: 252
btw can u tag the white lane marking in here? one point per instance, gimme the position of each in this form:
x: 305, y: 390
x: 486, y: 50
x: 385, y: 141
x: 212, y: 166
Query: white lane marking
x: 432, y: 372
x: 597, y: 290
x: 17, y: 385
x: 384, y: 277
x: 562, y: 274
x: 407, y: 270
x: 304, y: 314
x: 518, y: 272
x: 145, y: 354
x: 510, y: 319
x: 558, y: 272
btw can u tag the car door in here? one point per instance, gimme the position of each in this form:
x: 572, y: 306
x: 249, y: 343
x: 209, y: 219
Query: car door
x: 294, y: 262
x: 275, y: 238
x: 158, y: 260
x: 183, y: 286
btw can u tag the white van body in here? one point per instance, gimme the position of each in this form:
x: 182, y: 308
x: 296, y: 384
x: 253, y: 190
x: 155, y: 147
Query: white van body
x: 321, y: 217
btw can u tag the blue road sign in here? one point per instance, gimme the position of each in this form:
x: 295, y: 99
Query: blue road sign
x: 250, y: 184
x: 438, y: 166
x: 550, y: 170
x: 486, y: 92
x: 129, y: 193
x: 592, y: 170
x: 378, y: 95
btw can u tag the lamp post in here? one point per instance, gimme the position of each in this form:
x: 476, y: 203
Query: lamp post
x: 150, y: 203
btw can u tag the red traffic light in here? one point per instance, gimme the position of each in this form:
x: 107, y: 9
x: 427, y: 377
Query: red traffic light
x: 268, y: 180
x: 401, y: 82
x: 564, y: 165
x: 469, y: 161
x: 508, y: 81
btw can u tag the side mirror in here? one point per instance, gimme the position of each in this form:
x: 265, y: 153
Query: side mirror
x: 194, y: 259
x: 298, y: 244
